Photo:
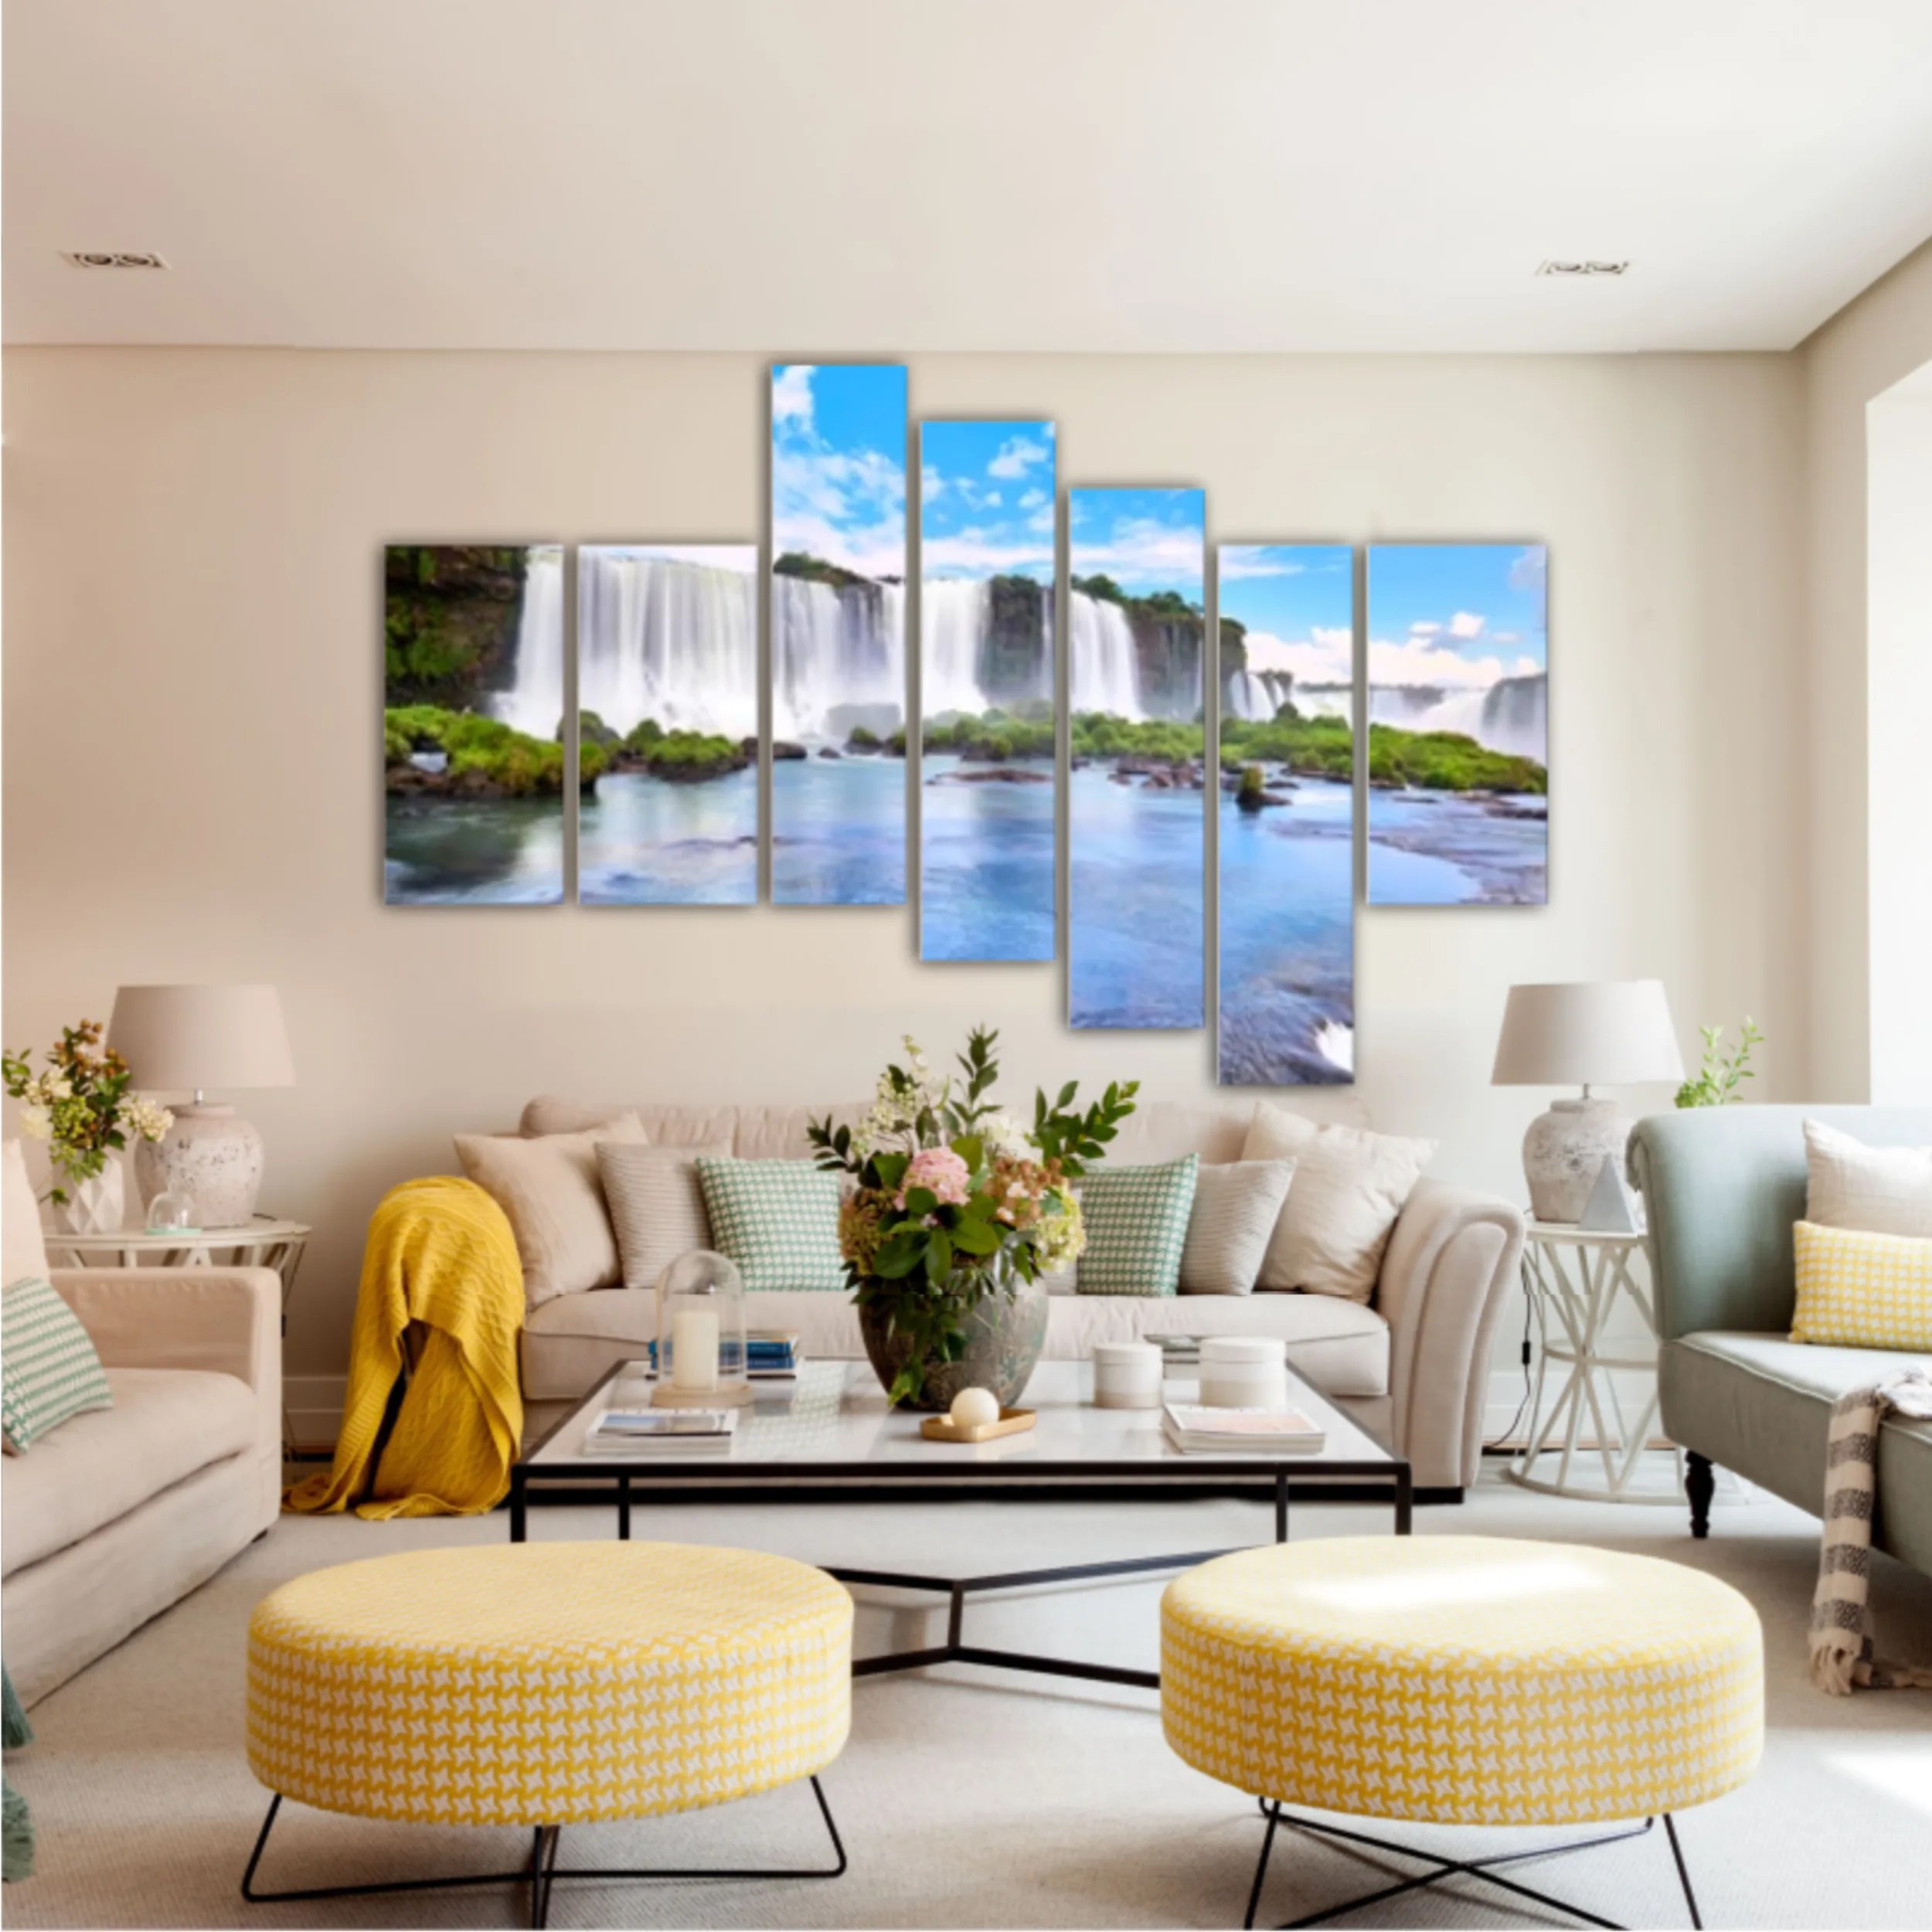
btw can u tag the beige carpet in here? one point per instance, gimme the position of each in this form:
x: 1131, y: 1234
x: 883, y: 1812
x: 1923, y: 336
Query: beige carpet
x: 966, y: 1799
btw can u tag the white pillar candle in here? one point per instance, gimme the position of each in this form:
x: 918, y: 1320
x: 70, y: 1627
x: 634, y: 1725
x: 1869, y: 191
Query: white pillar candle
x: 694, y: 1349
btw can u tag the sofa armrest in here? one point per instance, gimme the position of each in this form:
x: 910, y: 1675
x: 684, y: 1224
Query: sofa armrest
x: 1453, y: 1261
x: 225, y: 1320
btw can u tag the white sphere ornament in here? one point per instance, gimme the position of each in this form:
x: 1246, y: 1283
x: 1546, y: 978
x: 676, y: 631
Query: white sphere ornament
x: 974, y: 1408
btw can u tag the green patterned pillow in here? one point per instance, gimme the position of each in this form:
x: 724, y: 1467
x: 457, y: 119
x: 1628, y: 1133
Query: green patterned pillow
x: 778, y: 1219
x: 1136, y: 1227
x: 48, y: 1365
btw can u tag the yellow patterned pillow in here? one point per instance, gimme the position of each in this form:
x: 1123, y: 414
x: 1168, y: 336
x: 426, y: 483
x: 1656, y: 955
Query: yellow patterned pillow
x: 1861, y: 1291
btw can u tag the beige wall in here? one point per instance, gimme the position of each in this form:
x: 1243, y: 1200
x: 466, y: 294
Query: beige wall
x: 192, y: 788
x: 1864, y: 349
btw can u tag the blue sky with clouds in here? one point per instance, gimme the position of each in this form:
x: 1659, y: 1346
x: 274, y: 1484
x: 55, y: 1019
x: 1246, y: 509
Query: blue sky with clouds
x: 1145, y: 540
x: 838, y: 464
x: 1297, y: 602
x: 1457, y: 614
x: 986, y: 499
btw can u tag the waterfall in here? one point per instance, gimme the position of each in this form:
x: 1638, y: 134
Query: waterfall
x: 534, y: 703
x: 956, y: 618
x: 1257, y: 696
x: 838, y: 658
x: 1104, y: 672
x: 667, y: 639
x: 1509, y: 715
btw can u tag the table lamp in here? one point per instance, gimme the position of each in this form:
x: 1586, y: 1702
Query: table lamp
x: 1592, y: 1033
x: 190, y: 1039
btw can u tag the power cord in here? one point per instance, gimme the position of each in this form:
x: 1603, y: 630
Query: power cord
x: 1500, y: 1446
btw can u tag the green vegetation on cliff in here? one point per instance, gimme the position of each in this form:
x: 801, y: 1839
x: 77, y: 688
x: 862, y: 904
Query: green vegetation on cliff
x: 486, y: 756
x: 1164, y: 607
x: 1099, y: 734
x: 815, y: 569
x: 450, y: 619
x: 1447, y: 761
x: 996, y: 736
x: 1315, y: 747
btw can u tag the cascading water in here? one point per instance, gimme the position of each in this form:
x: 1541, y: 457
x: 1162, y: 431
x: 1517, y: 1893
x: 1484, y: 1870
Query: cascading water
x: 838, y: 658
x: 1257, y: 695
x: 1103, y: 672
x: 534, y: 703
x: 668, y: 639
x: 1515, y: 717
x: 1509, y: 715
x: 956, y: 618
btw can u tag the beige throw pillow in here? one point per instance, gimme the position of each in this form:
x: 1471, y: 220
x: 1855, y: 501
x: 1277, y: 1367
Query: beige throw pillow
x: 550, y: 1190
x: 1236, y: 1206
x: 1877, y: 1190
x: 1349, y: 1185
x: 656, y: 1203
x: 23, y: 1252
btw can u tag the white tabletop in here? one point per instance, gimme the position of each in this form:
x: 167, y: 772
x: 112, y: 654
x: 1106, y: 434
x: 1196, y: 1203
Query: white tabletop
x: 835, y: 1419
x: 250, y: 1234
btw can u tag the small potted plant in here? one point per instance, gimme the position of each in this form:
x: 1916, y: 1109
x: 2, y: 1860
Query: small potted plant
x: 1721, y: 1072
x: 957, y: 1211
x: 81, y: 1108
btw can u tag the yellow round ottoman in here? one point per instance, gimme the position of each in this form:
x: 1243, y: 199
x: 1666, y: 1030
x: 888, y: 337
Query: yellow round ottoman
x: 1462, y: 1680
x: 546, y: 1684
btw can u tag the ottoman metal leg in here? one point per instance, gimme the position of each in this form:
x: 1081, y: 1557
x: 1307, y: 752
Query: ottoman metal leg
x: 540, y: 1873
x: 1482, y: 1869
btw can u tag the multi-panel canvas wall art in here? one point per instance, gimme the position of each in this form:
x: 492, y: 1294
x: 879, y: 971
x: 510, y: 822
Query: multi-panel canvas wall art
x: 473, y: 719
x: 667, y: 724
x: 988, y: 881
x: 1287, y: 828
x: 1136, y: 791
x: 839, y: 634
x: 1458, y: 724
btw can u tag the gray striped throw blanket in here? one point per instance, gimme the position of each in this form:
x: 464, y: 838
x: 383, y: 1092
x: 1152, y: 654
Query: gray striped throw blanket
x: 1842, y: 1659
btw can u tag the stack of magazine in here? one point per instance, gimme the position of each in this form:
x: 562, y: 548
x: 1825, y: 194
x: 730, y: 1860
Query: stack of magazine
x: 771, y: 1355
x: 619, y: 1433
x: 1196, y: 1430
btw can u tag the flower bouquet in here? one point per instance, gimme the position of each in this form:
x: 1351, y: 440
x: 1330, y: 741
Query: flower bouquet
x: 956, y: 1212
x: 81, y: 1107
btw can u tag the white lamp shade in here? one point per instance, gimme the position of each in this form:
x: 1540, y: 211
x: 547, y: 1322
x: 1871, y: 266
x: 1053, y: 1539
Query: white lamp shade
x: 1592, y: 1033
x: 178, y: 1038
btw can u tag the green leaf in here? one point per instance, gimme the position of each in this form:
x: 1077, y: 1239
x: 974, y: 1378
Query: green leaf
x: 921, y: 1201
x: 971, y: 1149
x: 1067, y: 1094
x: 891, y: 1169
x: 939, y: 1256
x: 976, y: 1236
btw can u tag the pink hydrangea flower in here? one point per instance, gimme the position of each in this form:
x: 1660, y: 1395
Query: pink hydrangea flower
x: 942, y: 1173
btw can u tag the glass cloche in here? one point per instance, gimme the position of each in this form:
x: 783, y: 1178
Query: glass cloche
x: 172, y: 1211
x: 700, y: 1334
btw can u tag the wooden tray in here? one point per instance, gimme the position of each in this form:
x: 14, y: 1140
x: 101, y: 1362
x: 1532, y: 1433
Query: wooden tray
x: 944, y: 1428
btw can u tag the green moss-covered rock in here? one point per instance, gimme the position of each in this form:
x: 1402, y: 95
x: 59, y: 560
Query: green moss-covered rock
x: 687, y: 757
x: 816, y: 569
x: 450, y: 613
x: 481, y: 757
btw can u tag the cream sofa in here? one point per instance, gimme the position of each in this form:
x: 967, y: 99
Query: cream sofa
x: 115, y: 1514
x: 1413, y: 1366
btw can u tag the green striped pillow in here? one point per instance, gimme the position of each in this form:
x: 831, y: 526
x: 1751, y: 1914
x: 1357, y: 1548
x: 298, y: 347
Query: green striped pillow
x: 48, y: 1365
x: 778, y: 1219
x: 1136, y: 1221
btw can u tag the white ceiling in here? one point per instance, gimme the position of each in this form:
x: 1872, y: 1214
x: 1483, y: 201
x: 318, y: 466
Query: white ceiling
x: 857, y: 176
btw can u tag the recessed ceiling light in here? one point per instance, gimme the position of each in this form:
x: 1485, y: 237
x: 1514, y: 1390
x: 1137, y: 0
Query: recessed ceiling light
x: 111, y: 258
x: 1582, y: 268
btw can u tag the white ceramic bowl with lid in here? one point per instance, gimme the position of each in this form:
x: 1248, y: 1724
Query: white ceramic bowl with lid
x: 1126, y: 1375
x: 1244, y: 1372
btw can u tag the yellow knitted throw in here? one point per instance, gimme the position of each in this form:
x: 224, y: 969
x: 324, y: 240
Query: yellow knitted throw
x: 441, y: 1252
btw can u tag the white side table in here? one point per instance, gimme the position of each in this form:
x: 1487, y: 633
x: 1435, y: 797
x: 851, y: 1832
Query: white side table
x: 1575, y: 1279
x: 263, y: 1243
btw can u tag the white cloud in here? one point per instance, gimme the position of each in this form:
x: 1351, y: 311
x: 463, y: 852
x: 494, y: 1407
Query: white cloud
x: 930, y: 482
x: 848, y: 507
x: 1246, y: 560
x: 1415, y: 661
x: 1422, y: 627
x: 791, y: 396
x: 1017, y: 455
x: 1465, y: 623
x: 1043, y: 520
x: 992, y: 499
x: 1141, y: 550
x: 1530, y: 570
x: 1032, y: 499
x: 972, y: 553
x: 1325, y: 656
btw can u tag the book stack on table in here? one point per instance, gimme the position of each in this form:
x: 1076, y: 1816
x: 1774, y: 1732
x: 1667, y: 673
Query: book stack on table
x: 1196, y: 1430
x: 771, y: 1355
x: 643, y: 1433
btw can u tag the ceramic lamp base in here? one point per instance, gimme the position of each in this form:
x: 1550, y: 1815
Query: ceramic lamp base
x: 211, y: 1155
x: 1564, y: 1151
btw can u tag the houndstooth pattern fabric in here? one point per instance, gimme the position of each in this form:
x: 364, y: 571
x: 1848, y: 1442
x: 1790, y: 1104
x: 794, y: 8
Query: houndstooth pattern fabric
x: 1136, y: 1220
x: 1860, y: 1291
x: 547, y: 1683
x: 49, y: 1369
x: 778, y: 1219
x: 1462, y: 1680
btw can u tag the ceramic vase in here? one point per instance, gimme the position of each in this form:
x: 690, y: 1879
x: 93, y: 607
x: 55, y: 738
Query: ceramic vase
x: 1005, y: 1334
x: 94, y: 1206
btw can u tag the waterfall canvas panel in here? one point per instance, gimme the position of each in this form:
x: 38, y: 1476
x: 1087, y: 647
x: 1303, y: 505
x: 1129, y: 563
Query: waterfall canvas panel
x: 1137, y: 790
x: 839, y: 634
x: 1458, y: 724
x: 988, y: 884
x: 1286, y: 896
x: 472, y: 724
x: 667, y: 724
